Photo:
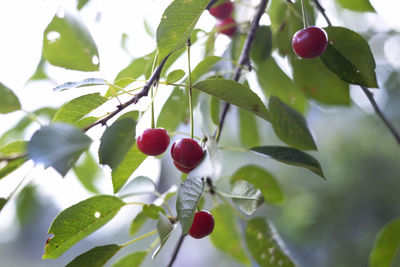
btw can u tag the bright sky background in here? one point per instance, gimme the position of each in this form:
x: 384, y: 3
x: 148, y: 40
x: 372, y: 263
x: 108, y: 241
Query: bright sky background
x: 22, y: 23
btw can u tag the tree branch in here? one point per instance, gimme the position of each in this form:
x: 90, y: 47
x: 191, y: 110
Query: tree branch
x: 176, y: 250
x: 366, y: 91
x: 243, y: 60
x: 144, y: 92
x: 388, y: 124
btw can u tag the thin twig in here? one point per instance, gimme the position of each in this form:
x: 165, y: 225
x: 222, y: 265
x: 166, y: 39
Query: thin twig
x: 176, y: 250
x: 243, y: 60
x: 322, y: 11
x: 366, y: 91
x: 388, y: 124
x: 144, y: 92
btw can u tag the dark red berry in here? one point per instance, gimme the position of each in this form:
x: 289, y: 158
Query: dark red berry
x: 187, y: 153
x: 309, y: 42
x: 203, y: 224
x: 223, y: 10
x: 182, y: 169
x: 227, y: 26
x: 153, y: 142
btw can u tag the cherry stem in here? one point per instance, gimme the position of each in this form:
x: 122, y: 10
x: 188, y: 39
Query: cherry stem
x: 188, y: 44
x: 303, y: 11
x: 243, y: 61
x: 153, y: 125
x: 176, y: 250
x: 139, y: 238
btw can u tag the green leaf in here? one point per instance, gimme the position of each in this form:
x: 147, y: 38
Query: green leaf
x: 152, y: 211
x: 13, y: 149
x: 128, y: 165
x: 67, y: 43
x: 84, y: 122
x: 58, y: 145
x: 40, y: 73
x: 8, y: 100
x: 214, y: 110
x: 318, y: 82
x: 83, y: 83
x: 204, y: 67
x: 262, y: 45
x: 96, y: 257
x: 177, y: 23
x: 27, y: 205
x: 246, y: 196
x: 164, y: 229
x: 139, y: 185
x: 274, y: 81
x: 74, y: 110
x: 386, y: 245
x: 81, y: 4
x: 262, y: 180
x: 138, y: 67
x: 248, y: 129
x: 265, y: 246
x: 87, y: 172
x: 189, y: 194
x: 131, y: 260
x: 225, y: 235
x: 79, y: 221
x: 174, y: 111
x: 348, y: 55
x: 137, y: 223
x: 290, y: 156
x: 356, y: 5
x: 290, y: 126
x: 175, y: 76
x: 3, y: 202
x: 116, y: 142
x: 234, y: 93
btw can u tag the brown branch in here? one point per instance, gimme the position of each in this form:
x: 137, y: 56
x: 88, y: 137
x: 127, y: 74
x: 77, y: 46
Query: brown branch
x: 366, y: 91
x: 144, y: 92
x: 388, y: 124
x: 243, y: 60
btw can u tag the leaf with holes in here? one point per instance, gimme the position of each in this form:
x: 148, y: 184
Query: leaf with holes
x: 129, y: 164
x: 97, y: 256
x: 134, y: 259
x: 79, y: 221
x: 8, y: 101
x: 175, y: 76
x: 67, y: 43
x: 177, y: 23
x: 116, y: 142
x: 265, y: 245
x: 58, y: 145
x: 79, y: 107
x: 246, y: 196
x: 262, y: 180
x: 290, y: 126
x: 290, y: 156
x: 164, y: 229
x: 13, y: 149
x: 189, y: 194
x: 234, y: 93
x: 348, y: 55
x: 386, y: 245
x: 83, y: 83
x: 225, y: 235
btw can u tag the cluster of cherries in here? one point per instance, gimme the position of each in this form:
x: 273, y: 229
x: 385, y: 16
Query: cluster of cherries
x: 187, y: 155
x: 223, y: 11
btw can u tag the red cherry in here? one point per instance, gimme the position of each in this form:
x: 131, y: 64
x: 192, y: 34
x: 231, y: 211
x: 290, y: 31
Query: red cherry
x: 223, y: 10
x: 153, y: 142
x: 309, y: 42
x: 203, y: 224
x: 187, y: 153
x: 227, y: 26
x: 182, y: 169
